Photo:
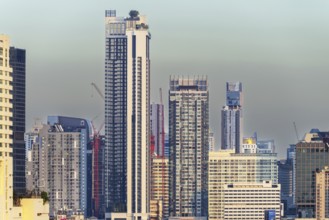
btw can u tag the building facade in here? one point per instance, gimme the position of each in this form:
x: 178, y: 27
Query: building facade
x: 18, y: 62
x: 312, y: 153
x: 127, y: 116
x: 249, y: 145
x: 231, y: 124
x: 211, y: 141
x: 58, y: 163
x: 226, y: 167
x: 286, y: 179
x: 157, y: 129
x: 6, y: 151
x: 265, y: 146
x: 37, y: 158
x: 322, y: 193
x: 160, y: 186
x: 189, y: 146
x: 251, y: 201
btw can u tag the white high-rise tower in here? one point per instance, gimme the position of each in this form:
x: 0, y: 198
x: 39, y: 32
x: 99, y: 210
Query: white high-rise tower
x: 6, y: 157
x: 127, y: 117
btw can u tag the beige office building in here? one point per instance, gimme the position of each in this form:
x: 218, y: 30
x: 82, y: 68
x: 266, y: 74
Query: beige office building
x: 159, y: 207
x: 249, y: 201
x: 226, y: 167
x: 322, y: 194
x: 6, y: 159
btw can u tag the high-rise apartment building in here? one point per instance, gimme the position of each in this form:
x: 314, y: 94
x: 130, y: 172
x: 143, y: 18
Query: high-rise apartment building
x: 226, y: 167
x: 157, y: 129
x: 322, y: 193
x: 160, y: 186
x: 250, y: 201
x: 231, y: 124
x: 188, y: 135
x: 17, y: 61
x: 6, y: 152
x: 37, y: 158
x: 312, y: 154
x: 127, y: 116
x: 58, y: 163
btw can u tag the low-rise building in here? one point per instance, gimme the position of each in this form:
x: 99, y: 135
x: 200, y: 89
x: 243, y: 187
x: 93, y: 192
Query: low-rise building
x: 252, y: 201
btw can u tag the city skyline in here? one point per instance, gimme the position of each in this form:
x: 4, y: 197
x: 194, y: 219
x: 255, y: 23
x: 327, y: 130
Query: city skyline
x: 275, y: 58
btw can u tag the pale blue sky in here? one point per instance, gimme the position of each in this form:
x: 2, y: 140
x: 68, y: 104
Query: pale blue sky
x: 278, y: 49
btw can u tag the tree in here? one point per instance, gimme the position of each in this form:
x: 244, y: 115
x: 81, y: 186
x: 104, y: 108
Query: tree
x: 44, y: 196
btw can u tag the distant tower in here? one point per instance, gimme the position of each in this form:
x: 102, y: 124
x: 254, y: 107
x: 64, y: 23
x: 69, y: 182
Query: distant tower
x: 232, y: 117
x: 17, y: 62
x: 6, y: 151
x: 127, y: 116
x: 157, y: 128
x: 189, y: 146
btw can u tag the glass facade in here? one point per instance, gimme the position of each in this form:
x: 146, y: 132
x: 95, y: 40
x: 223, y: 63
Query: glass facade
x: 307, y: 162
x: 231, y: 117
x: 18, y: 62
x: 312, y: 154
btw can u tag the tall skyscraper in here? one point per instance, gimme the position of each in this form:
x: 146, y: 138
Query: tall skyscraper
x: 58, y: 163
x: 127, y: 116
x: 17, y: 62
x: 189, y: 146
x: 226, y: 167
x: 232, y: 117
x: 157, y: 129
x: 312, y: 153
x: 6, y: 152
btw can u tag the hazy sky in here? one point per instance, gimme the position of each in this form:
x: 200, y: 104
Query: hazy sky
x: 278, y: 49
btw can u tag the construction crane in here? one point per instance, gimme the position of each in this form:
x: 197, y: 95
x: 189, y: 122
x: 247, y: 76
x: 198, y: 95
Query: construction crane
x: 96, y: 158
x: 296, y: 132
x: 98, y: 90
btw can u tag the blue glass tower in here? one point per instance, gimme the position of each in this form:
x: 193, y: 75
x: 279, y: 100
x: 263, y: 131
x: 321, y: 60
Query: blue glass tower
x: 231, y: 124
x: 18, y: 62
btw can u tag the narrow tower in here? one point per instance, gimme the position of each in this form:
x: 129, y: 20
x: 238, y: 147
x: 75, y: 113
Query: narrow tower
x: 6, y: 151
x: 17, y: 62
x: 189, y: 146
x: 232, y: 117
x: 127, y: 117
